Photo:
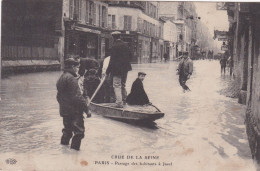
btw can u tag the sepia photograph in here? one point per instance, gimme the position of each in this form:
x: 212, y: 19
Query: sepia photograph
x: 129, y: 85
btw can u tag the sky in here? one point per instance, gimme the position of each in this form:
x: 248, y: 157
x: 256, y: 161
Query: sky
x: 213, y: 18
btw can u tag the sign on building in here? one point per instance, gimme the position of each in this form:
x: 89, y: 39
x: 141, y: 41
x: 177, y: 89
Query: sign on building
x: 224, y: 47
x: 221, y: 35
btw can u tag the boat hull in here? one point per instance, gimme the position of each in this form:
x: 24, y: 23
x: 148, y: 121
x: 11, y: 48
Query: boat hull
x: 124, y: 113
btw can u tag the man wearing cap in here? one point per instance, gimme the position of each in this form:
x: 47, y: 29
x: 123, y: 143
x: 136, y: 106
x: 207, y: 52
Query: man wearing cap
x: 118, y: 67
x: 72, y: 105
x: 138, y: 95
x: 185, y: 70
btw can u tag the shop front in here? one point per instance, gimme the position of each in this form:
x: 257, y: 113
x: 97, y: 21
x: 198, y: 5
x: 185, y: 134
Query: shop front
x: 144, y: 49
x: 84, y: 42
x: 155, y: 50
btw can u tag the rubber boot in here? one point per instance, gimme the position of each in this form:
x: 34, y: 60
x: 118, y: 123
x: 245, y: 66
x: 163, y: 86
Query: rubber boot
x: 75, y: 144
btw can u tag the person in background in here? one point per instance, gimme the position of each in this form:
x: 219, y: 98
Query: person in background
x: 185, y: 70
x: 87, y: 64
x: 165, y: 56
x: 230, y: 65
x: 107, y: 87
x: 90, y: 85
x: 223, y: 64
x: 118, y: 67
x: 138, y: 95
x: 72, y: 105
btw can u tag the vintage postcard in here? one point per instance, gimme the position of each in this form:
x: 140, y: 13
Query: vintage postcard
x: 129, y: 85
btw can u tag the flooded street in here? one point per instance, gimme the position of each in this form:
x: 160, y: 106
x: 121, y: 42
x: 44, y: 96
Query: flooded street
x: 201, y: 129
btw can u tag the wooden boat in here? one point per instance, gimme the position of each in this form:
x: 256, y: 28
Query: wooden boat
x: 134, y: 113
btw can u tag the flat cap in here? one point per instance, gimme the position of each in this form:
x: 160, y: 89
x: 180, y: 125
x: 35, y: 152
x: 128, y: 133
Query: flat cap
x: 71, y: 62
x: 141, y: 73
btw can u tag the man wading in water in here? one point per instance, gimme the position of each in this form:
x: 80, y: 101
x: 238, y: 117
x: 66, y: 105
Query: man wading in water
x: 72, y: 105
x: 185, y: 70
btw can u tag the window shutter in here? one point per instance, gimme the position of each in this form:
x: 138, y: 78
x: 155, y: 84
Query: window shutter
x: 129, y: 23
x: 87, y: 12
x: 109, y: 21
x: 76, y: 10
x: 105, y: 17
x: 100, y: 15
x: 125, y: 22
x: 113, y: 21
x: 71, y: 12
x: 80, y: 10
x: 94, y: 14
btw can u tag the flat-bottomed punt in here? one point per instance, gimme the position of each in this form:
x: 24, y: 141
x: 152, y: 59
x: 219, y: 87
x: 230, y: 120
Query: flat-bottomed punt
x: 133, y: 113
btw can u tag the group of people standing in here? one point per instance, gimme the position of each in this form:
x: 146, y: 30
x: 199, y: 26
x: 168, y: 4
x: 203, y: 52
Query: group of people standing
x: 73, y: 98
x: 226, y: 62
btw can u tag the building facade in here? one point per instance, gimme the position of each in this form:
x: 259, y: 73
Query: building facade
x: 31, y: 35
x: 170, y: 38
x: 86, y: 28
x: 140, y: 27
x: 244, y: 45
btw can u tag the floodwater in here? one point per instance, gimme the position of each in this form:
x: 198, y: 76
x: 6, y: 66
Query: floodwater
x: 201, y: 130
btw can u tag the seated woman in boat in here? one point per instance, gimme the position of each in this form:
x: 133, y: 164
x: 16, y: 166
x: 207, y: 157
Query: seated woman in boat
x: 138, y: 96
x: 90, y: 84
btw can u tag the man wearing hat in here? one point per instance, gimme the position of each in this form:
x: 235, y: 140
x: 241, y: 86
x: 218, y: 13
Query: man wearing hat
x: 118, y: 67
x: 72, y: 105
x: 138, y: 95
x: 185, y: 70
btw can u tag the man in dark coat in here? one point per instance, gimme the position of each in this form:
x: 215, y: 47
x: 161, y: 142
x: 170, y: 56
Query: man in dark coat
x: 223, y: 64
x: 185, y: 70
x: 138, y: 96
x: 118, y: 67
x: 72, y: 105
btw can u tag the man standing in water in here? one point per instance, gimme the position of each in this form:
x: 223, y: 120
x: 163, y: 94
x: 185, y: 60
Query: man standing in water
x: 118, y: 67
x: 223, y: 64
x: 72, y: 105
x: 185, y: 70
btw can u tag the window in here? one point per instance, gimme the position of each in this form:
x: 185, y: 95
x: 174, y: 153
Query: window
x: 127, y: 22
x: 112, y: 21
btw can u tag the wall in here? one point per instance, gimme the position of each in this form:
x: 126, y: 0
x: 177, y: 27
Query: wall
x: 170, y: 31
x: 168, y: 9
x: 119, y: 12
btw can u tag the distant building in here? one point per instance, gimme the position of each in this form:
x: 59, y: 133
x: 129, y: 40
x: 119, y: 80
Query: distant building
x: 184, y: 15
x: 38, y: 35
x: 86, y: 28
x: 140, y: 27
x: 170, y: 38
x: 31, y: 35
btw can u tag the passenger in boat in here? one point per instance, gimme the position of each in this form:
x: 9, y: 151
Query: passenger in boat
x: 72, y: 105
x: 118, y: 67
x: 90, y: 85
x: 87, y: 64
x: 138, y: 95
